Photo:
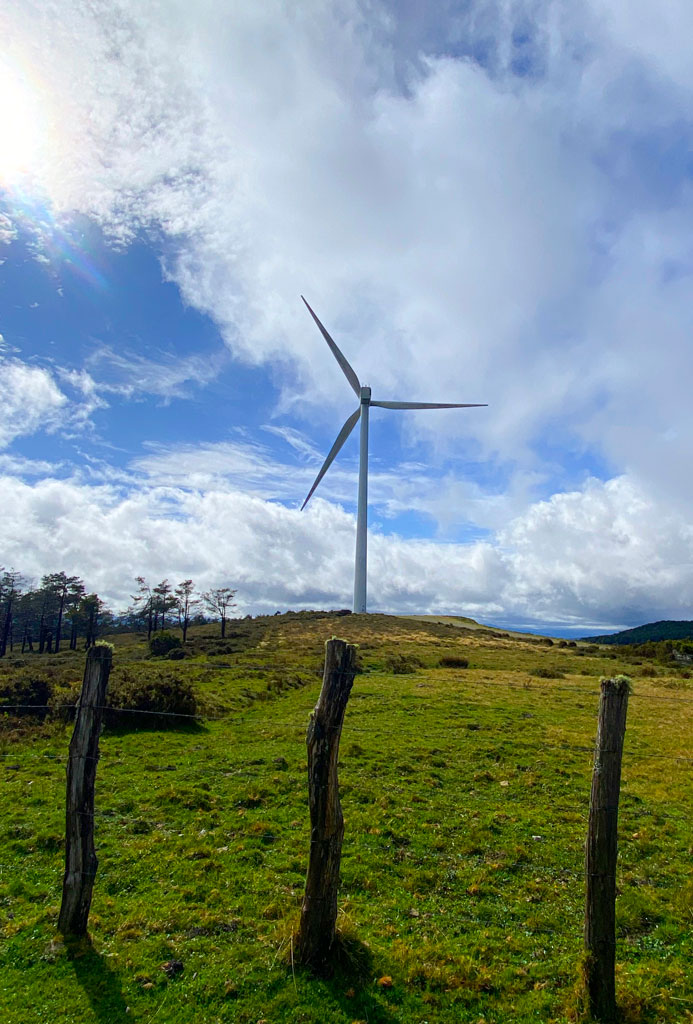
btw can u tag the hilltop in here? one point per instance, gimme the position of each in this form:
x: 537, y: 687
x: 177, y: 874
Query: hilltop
x: 465, y: 771
x: 665, y: 629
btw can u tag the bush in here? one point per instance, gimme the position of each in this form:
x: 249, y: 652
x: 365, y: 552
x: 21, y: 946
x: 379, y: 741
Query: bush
x: 402, y: 664
x: 32, y: 692
x: 164, y: 642
x: 453, y: 661
x: 546, y: 672
x: 164, y: 694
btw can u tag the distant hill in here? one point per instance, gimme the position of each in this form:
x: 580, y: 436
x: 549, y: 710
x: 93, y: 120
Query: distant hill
x: 666, y: 629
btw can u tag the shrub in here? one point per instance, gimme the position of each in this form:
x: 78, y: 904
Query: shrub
x: 547, y: 672
x: 402, y: 664
x: 164, y: 694
x: 164, y: 642
x: 453, y: 661
x: 64, y: 702
x: 33, y: 692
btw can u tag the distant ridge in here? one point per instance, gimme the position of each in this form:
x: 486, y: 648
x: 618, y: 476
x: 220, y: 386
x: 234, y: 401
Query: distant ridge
x: 665, y: 629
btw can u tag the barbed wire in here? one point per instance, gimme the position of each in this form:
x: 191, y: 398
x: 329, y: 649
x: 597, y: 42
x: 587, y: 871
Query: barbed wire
x: 552, y: 687
x: 558, y: 688
x: 628, y: 755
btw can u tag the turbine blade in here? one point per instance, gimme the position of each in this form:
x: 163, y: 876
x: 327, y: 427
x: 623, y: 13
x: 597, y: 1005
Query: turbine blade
x: 430, y: 405
x: 341, y: 359
x: 341, y: 438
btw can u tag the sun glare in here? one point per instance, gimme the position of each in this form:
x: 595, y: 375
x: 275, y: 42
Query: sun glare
x: 20, y: 127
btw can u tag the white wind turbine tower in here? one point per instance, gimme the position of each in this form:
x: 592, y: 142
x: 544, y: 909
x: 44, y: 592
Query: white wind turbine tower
x: 365, y: 402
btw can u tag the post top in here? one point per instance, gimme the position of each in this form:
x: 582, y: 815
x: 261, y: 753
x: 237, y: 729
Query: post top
x: 365, y: 394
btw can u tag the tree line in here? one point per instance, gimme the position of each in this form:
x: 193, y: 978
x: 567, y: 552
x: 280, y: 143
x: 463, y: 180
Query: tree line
x: 59, y: 611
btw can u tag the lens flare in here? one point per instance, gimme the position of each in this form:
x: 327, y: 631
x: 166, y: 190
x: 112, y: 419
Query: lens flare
x: 30, y: 149
x: 20, y: 127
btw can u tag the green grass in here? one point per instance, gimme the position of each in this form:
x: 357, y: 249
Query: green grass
x: 465, y: 795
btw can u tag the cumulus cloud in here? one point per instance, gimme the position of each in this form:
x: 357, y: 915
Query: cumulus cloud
x: 464, y: 222
x: 604, y: 551
x: 487, y: 204
x: 545, y: 566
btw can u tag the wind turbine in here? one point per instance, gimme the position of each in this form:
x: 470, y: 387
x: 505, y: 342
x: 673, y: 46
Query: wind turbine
x: 365, y: 402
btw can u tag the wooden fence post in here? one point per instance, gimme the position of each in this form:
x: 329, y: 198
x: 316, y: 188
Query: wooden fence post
x: 80, y: 856
x: 316, y: 931
x: 602, y: 849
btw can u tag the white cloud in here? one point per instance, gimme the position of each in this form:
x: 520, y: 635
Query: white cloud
x: 8, y: 231
x: 513, y: 229
x: 399, y: 489
x: 605, y: 551
x: 603, y: 554
x: 132, y: 374
x: 452, y: 235
x: 89, y: 400
x: 31, y: 400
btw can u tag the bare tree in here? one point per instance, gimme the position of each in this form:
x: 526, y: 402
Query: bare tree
x: 218, y: 603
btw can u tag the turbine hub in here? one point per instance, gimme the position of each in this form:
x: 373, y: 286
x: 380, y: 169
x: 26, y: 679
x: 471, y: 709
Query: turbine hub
x: 365, y: 396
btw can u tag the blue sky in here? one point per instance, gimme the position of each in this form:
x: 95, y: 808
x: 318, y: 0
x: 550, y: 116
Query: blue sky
x: 482, y: 202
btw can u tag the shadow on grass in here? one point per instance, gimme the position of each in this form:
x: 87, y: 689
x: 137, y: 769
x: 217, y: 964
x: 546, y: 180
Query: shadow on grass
x: 119, y: 722
x: 100, y: 983
x: 349, y: 978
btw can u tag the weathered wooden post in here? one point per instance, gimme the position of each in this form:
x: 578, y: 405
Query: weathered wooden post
x: 316, y: 931
x: 80, y: 856
x: 602, y: 849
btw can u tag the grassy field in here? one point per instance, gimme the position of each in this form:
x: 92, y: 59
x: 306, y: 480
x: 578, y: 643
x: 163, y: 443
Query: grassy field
x: 465, y: 794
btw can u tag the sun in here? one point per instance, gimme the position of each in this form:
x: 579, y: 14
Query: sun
x: 20, y: 127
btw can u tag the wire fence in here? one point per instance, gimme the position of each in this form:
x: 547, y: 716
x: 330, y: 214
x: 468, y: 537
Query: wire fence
x: 563, y: 747
x: 525, y: 866
x: 209, y: 768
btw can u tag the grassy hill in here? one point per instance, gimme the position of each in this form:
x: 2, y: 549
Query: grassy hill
x: 465, y: 793
x: 665, y: 629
